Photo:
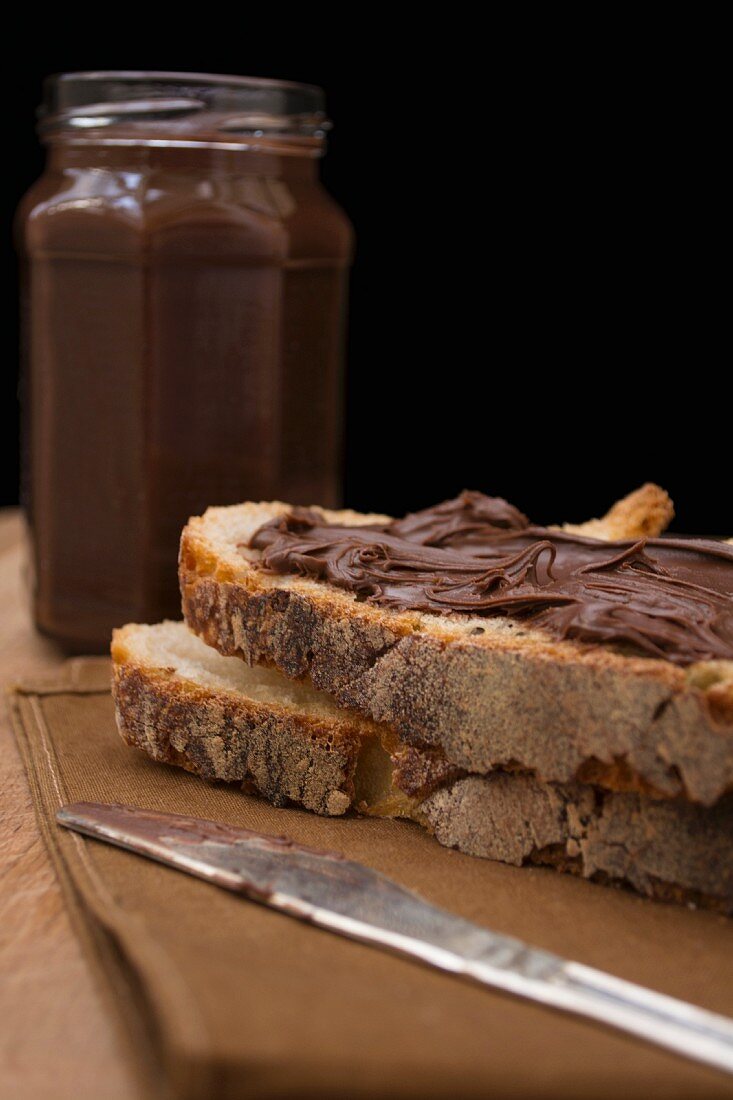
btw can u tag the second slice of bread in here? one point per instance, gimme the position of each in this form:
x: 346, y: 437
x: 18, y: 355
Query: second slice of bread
x: 184, y: 704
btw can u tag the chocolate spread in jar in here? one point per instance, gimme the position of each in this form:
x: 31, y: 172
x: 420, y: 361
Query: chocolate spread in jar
x: 477, y: 555
x: 185, y: 277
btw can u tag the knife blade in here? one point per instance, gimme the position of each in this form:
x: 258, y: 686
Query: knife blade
x: 351, y: 899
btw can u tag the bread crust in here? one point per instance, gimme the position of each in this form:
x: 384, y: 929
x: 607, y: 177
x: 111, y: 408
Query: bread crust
x: 490, y: 693
x: 656, y: 846
x: 645, y: 513
x: 284, y: 756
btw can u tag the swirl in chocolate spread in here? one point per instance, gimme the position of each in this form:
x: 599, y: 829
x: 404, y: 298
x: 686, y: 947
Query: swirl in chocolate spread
x: 478, y: 555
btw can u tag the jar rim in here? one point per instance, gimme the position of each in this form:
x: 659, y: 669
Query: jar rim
x: 189, y: 104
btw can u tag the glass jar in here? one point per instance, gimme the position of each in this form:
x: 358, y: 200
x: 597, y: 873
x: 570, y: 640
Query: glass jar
x: 183, y: 300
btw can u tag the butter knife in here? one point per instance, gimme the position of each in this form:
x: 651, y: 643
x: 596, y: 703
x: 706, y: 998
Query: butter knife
x: 342, y: 896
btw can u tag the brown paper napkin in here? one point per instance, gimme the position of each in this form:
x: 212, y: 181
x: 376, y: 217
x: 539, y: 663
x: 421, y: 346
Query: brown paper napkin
x: 220, y: 997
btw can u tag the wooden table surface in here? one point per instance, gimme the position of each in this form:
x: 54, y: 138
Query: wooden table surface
x: 56, y: 1039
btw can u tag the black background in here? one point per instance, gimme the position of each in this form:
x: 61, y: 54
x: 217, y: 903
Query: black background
x: 536, y: 309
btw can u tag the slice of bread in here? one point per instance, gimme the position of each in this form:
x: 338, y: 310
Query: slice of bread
x: 182, y: 703
x: 488, y: 692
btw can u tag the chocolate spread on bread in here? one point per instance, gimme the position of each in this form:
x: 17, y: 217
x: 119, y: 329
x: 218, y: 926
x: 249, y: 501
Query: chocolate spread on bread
x: 670, y: 598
